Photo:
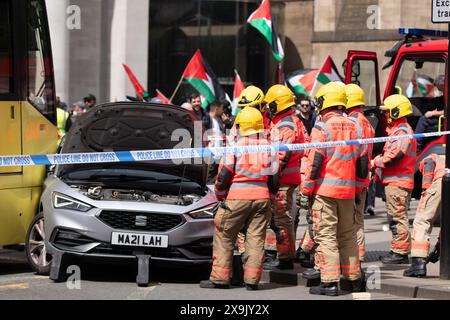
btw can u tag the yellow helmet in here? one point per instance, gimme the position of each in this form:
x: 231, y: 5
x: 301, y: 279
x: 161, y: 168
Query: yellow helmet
x: 249, y: 121
x: 251, y: 97
x: 355, y: 96
x: 330, y: 95
x: 398, y: 106
x: 279, y: 98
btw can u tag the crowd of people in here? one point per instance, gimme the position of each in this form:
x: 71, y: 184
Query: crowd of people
x: 256, y: 193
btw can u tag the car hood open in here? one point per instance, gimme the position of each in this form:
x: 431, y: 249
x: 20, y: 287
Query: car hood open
x: 129, y: 126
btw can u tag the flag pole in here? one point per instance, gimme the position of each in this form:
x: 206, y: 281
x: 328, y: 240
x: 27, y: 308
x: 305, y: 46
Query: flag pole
x: 280, y: 72
x: 176, y: 89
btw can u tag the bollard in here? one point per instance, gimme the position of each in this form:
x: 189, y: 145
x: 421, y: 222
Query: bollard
x: 445, y: 229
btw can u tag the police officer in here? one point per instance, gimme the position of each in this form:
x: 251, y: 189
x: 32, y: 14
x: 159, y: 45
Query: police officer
x: 286, y: 128
x: 243, y: 185
x: 330, y: 181
x: 355, y: 103
x: 397, y: 165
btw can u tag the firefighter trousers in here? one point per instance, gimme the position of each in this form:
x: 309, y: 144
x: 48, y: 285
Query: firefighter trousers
x: 360, y: 202
x: 337, y: 251
x: 428, y: 211
x: 255, y: 216
x: 397, y: 209
x: 284, y: 222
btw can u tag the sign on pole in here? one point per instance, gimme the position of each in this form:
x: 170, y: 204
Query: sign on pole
x: 440, y: 11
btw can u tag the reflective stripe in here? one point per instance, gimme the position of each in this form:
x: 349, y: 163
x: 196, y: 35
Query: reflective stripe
x: 323, y: 127
x: 308, y: 184
x: 334, y: 182
x: 361, y: 184
x: 241, y: 185
x: 398, y: 177
x: 343, y: 156
x: 291, y: 170
x: 221, y: 193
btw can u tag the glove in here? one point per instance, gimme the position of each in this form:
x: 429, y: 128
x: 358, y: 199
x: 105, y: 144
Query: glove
x: 223, y: 205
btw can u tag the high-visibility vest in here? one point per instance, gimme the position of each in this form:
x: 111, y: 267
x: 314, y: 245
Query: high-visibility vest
x: 61, y: 121
x: 331, y: 172
x: 365, y: 131
x: 432, y: 169
x: 245, y: 176
x: 398, y: 160
x: 287, y: 128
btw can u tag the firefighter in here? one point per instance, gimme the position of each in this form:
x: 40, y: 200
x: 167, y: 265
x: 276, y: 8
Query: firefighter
x: 253, y: 97
x: 397, y: 165
x: 355, y: 103
x: 244, y: 186
x: 330, y: 182
x: 432, y: 169
x: 286, y: 128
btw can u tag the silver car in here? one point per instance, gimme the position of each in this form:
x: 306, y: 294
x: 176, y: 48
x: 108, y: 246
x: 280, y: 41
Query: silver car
x: 153, y: 213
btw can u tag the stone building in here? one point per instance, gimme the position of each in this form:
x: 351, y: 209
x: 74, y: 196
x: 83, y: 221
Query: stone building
x: 156, y: 38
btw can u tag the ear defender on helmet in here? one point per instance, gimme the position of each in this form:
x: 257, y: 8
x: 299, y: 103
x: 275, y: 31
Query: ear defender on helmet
x: 318, y: 102
x: 395, y: 112
x: 273, y: 106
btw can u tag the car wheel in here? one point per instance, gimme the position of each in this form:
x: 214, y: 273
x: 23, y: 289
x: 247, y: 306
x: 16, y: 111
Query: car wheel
x: 37, y: 255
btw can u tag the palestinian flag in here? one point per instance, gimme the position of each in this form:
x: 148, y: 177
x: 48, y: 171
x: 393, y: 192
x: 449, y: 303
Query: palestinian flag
x: 262, y: 21
x: 420, y: 86
x: 327, y: 73
x: 238, y: 88
x: 203, y: 80
x: 303, y: 81
x: 141, y: 93
x: 164, y: 99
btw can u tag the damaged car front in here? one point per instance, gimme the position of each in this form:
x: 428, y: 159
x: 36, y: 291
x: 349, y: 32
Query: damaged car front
x: 155, y: 212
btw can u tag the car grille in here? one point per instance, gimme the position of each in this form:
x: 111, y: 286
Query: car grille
x: 157, y: 222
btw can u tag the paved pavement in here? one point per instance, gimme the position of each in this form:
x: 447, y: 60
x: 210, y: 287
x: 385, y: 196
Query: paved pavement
x: 118, y: 282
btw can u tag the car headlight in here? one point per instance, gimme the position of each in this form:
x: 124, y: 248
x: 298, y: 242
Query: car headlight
x: 205, y: 213
x: 64, y: 202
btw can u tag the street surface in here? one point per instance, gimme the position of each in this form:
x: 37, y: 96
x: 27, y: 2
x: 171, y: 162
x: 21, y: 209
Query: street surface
x: 107, y: 282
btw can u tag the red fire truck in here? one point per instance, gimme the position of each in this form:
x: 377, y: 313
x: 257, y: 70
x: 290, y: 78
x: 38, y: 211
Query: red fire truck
x: 418, y: 70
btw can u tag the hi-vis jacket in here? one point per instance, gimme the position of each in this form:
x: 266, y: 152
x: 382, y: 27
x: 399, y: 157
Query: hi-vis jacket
x: 432, y: 169
x: 365, y: 131
x: 332, y: 172
x: 286, y: 128
x: 251, y: 176
x: 398, y: 160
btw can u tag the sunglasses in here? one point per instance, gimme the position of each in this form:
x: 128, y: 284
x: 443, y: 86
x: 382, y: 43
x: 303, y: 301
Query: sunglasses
x: 305, y: 105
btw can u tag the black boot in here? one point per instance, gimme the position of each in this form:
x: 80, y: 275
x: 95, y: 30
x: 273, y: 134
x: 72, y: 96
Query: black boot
x: 418, y: 268
x: 251, y: 287
x: 311, y: 274
x: 325, y: 289
x: 395, y: 258
x: 208, y: 284
x: 306, y: 259
x: 279, y: 265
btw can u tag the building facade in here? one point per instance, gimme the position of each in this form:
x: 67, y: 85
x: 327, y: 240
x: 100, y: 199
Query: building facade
x: 156, y: 38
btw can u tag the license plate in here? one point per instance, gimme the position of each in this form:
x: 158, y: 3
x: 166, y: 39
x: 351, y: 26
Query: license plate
x: 139, y: 240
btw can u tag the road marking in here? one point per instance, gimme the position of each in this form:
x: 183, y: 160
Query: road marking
x: 13, y: 286
x: 141, y: 293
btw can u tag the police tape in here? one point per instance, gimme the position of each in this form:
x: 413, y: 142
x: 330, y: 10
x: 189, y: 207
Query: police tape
x: 187, y: 153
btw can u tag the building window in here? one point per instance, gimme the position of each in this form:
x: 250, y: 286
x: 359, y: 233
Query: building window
x: 220, y: 30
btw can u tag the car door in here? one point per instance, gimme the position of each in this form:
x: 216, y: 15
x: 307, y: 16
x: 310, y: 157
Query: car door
x: 361, y: 68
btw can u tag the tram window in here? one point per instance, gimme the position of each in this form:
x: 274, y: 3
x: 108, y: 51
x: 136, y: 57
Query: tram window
x: 40, y: 87
x: 6, y: 66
